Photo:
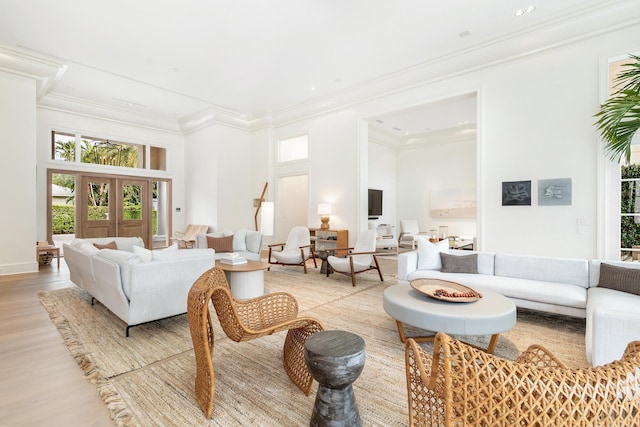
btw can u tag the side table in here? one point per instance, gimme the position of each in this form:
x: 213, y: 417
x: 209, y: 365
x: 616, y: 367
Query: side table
x: 50, y: 249
x: 335, y: 359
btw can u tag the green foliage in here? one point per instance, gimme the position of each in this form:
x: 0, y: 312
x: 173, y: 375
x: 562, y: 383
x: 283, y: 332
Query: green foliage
x: 619, y: 117
x: 63, y: 219
x: 629, y: 230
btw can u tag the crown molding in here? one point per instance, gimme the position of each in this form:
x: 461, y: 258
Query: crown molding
x: 213, y: 116
x: 99, y: 111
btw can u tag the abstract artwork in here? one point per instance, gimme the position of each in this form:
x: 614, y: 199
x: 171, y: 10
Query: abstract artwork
x: 554, y: 192
x: 516, y: 193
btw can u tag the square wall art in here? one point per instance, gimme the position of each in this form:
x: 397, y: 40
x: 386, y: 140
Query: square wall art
x: 554, y: 192
x: 516, y: 193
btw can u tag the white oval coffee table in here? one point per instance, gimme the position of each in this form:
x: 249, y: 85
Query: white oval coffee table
x: 490, y: 315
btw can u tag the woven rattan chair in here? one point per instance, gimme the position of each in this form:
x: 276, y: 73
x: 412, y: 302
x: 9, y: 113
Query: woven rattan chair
x: 463, y: 386
x: 245, y: 320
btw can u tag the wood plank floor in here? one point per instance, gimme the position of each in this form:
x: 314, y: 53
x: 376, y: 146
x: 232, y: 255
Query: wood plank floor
x: 40, y: 383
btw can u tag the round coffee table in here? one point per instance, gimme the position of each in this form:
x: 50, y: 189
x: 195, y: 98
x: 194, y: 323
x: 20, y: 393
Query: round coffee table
x: 245, y: 280
x: 490, y: 315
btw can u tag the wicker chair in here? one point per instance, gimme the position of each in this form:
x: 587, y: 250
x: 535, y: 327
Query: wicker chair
x: 243, y: 321
x: 461, y: 385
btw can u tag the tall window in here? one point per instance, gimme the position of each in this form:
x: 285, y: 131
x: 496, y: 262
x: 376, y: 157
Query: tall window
x: 296, y: 148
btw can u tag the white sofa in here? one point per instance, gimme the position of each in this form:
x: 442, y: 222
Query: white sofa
x: 246, y: 243
x: 136, y: 284
x: 555, y: 285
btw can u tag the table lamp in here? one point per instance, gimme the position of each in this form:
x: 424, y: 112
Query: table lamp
x: 324, y: 210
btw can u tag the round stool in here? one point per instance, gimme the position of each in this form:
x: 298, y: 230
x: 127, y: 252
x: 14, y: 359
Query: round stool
x: 335, y: 359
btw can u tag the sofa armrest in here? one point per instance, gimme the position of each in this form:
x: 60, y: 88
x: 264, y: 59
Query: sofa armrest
x: 611, y: 331
x: 407, y: 264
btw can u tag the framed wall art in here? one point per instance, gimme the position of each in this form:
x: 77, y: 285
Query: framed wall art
x: 554, y: 192
x: 516, y: 193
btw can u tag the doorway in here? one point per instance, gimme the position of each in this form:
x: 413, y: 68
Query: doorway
x: 109, y: 206
x: 292, y: 204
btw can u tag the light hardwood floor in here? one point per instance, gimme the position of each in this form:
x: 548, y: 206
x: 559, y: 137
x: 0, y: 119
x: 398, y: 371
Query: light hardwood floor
x: 40, y: 383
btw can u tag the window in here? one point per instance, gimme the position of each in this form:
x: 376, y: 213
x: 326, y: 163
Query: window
x: 100, y: 151
x: 296, y: 148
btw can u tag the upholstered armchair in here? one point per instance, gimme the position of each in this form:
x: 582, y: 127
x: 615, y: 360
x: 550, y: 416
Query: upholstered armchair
x: 408, y: 232
x: 296, y: 251
x: 360, y: 258
x: 461, y: 385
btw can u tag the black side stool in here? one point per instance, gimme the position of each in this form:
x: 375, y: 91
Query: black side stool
x: 335, y: 359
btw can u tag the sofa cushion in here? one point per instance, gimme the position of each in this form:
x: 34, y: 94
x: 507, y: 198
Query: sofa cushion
x: 145, y: 254
x: 545, y: 269
x: 619, y: 278
x: 110, y: 245
x: 254, y: 242
x: 220, y: 244
x: 429, y: 253
x: 459, y: 263
x: 239, y: 242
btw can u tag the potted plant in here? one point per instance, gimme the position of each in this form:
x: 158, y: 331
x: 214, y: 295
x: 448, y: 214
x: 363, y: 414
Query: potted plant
x: 619, y: 117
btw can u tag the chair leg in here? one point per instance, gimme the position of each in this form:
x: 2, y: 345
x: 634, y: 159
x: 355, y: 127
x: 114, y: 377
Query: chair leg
x: 293, y: 355
x: 353, y: 274
x: 378, y: 268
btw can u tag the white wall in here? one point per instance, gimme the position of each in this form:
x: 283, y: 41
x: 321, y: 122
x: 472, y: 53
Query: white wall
x: 436, y: 166
x: 535, y: 122
x: 219, y: 178
x: 18, y: 174
x: 383, y: 174
x: 333, y: 167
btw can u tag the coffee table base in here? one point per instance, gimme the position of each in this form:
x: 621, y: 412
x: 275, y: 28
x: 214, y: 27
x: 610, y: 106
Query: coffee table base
x: 490, y: 349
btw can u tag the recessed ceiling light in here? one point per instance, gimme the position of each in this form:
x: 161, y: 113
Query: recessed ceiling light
x: 379, y: 121
x: 398, y: 129
x: 521, y: 12
x: 464, y: 34
x: 338, y: 80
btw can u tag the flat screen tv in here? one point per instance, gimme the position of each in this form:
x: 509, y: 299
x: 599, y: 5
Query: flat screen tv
x: 375, y: 202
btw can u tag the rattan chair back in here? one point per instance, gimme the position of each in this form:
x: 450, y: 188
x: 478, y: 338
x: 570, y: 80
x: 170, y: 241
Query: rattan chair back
x: 461, y: 385
x: 243, y: 320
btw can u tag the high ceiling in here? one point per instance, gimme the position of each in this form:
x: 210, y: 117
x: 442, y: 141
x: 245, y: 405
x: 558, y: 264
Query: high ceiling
x: 174, y: 59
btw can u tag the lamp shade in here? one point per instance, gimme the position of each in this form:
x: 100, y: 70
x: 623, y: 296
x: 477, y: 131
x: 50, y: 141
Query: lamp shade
x: 324, y: 209
x: 266, y: 218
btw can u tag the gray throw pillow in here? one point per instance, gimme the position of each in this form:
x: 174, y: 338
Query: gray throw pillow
x: 620, y: 278
x: 459, y: 263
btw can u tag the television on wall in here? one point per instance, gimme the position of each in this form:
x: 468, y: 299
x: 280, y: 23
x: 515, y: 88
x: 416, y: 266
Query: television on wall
x: 375, y: 203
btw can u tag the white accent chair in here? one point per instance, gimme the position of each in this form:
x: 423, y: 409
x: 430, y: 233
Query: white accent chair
x: 384, y: 241
x: 361, y: 258
x: 297, y: 249
x: 408, y: 232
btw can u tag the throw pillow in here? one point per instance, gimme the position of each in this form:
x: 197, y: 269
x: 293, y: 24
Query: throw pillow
x: 110, y: 245
x: 145, y: 254
x: 459, y: 263
x: 620, y: 278
x: 429, y: 253
x: 240, y: 240
x: 220, y: 244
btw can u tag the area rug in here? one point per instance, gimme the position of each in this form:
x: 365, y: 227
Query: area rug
x: 147, y: 379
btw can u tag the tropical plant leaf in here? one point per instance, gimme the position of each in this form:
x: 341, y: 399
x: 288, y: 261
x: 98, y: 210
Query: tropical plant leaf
x: 619, y: 117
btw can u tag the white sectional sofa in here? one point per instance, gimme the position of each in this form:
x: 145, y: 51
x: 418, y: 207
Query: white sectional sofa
x: 246, y: 243
x: 556, y: 285
x: 136, y: 284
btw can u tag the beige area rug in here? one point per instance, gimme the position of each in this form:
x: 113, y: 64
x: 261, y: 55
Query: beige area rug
x: 148, y: 378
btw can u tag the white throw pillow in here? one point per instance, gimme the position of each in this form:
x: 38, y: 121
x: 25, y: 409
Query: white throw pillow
x: 429, y: 253
x: 145, y: 254
x: 240, y: 240
x: 171, y: 248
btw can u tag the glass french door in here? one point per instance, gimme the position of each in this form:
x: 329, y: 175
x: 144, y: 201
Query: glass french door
x: 111, y: 206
